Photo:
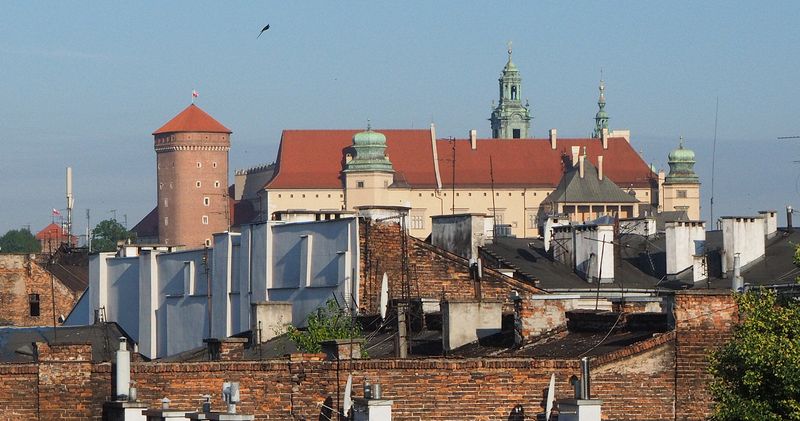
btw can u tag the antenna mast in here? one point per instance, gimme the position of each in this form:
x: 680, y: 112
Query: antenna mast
x: 70, y: 204
x: 713, y: 161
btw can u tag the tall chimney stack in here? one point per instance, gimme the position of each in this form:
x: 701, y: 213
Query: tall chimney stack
x: 600, y: 167
x: 473, y: 139
x: 553, y: 138
x: 604, y: 138
x: 581, y: 160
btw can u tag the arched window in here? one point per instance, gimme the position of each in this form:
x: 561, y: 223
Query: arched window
x: 513, y: 92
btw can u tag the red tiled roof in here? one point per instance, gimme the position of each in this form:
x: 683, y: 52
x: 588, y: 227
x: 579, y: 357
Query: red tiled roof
x: 192, y: 119
x: 314, y: 159
x: 51, y: 231
x: 531, y: 162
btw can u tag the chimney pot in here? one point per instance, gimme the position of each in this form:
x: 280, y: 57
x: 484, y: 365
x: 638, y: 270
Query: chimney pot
x: 473, y: 139
x: 553, y: 138
x: 604, y: 137
x: 581, y: 160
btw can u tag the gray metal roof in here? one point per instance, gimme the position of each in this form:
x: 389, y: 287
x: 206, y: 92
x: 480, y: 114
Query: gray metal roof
x: 589, y: 189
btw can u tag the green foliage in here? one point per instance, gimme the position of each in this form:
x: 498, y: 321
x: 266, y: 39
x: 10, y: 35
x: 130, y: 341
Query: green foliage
x: 19, y: 241
x: 329, y: 322
x: 107, y: 233
x: 757, y: 374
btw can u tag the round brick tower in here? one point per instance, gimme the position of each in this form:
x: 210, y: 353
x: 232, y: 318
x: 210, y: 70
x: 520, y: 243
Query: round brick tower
x: 192, y: 161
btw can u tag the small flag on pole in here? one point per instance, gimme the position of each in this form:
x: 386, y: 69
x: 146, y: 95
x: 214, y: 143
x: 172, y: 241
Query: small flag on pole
x: 195, y: 94
x: 56, y: 212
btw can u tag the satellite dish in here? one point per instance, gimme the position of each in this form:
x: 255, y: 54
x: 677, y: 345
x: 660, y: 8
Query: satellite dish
x: 550, y: 392
x: 348, y: 390
x: 384, y: 297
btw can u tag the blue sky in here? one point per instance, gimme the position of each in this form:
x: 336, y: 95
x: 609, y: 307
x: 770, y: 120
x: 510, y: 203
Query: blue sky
x: 85, y: 83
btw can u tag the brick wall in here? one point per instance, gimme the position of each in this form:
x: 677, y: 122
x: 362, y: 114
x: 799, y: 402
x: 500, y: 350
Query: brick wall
x: 18, y: 385
x: 20, y: 276
x: 434, y: 273
x: 542, y: 315
x: 703, y: 322
x: 65, y: 385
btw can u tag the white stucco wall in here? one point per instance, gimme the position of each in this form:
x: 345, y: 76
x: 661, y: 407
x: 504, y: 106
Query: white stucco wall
x: 744, y: 235
x: 161, y: 299
x: 684, y: 240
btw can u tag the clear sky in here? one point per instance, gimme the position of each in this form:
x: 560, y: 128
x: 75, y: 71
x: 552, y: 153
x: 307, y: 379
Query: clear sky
x: 85, y: 84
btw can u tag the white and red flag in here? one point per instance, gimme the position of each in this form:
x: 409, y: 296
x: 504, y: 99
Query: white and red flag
x: 195, y: 94
x: 56, y: 212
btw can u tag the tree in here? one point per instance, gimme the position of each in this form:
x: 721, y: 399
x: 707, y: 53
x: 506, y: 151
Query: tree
x: 328, y: 322
x: 107, y: 233
x: 756, y: 376
x: 19, y: 241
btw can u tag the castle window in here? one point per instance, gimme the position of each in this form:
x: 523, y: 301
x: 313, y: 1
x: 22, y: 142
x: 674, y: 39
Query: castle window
x: 303, y: 196
x: 513, y: 92
x: 166, y: 202
x: 199, y: 165
x: 681, y: 194
x: 214, y: 164
x: 160, y: 186
x: 329, y: 196
x: 517, y: 134
x: 205, y: 219
x: 166, y: 220
x: 206, y: 201
x: 359, y: 184
x: 216, y: 184
x: 208, y: 242
x: 33, y: 305
x: 197, y: 184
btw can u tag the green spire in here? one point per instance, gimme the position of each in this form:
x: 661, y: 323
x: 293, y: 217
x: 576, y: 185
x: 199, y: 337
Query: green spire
x: 681, y: 166
x: 370, y: 152
x: 510, y: 119
x: 601, y: 118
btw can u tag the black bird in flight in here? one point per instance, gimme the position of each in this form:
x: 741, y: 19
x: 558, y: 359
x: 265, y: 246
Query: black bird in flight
x: 262, y: 31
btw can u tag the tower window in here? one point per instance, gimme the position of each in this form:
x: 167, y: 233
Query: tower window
x: 360, y: 184
x: 517, y: 134
x: 33, y: 305
x: 206, y: 201
x: 197, y: 184
x: 160, y: 186
x: 681, y: 194
x: 205, y: 219
x: 216, y: 184
x: 199, y: 164
x: 208, y: 242
x: 214, y: 164
x: 166, y: 202
x: 166, y: 221
x: 513, y: 92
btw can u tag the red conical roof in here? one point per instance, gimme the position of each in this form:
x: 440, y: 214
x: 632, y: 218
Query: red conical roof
x: 192, y: 119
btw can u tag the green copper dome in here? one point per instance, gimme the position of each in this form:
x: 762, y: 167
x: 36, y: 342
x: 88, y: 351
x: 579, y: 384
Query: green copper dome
x: 681, y: 155
x: 681, y: 166
x: 370, y: 153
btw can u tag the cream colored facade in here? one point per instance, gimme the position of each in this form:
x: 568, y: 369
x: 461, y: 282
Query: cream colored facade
x: 682, y: 197
x: 517, y: 207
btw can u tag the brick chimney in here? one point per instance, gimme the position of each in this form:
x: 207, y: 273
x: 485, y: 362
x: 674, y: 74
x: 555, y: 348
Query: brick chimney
x: 553, y: 138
